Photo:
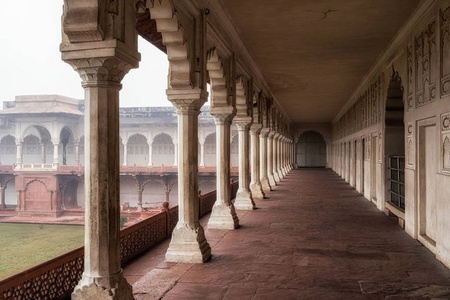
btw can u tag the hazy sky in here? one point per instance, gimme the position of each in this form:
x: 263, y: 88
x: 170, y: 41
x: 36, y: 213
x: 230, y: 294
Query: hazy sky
x: 30, y: 61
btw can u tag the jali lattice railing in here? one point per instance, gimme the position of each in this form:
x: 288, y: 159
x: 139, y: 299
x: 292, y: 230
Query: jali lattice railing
x: 56, y: 278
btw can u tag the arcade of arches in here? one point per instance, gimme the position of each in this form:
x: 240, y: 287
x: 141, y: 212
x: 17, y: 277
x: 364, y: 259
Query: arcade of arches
x: 383, y: 118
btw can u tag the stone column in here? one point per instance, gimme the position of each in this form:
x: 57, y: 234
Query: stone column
x: 270, y: 159
x: 263, y: 160
x: 125, y: 153
x: 175, y: 150
x: 19, y: 154
x: 150, y: 154
x: 140, y: 190
x: 280, y: 156
x: 77, y: 153
x: 102, y: 276
x: 55, y: 152
x: 188, y: 242
x: 275, y: 156
x: 3, y: 201
x: 223, y: 215
x: 255, y: 184
x: 43, y: 154
x: 202, y: 152
x: 244, y: 199
x: 284, y: 164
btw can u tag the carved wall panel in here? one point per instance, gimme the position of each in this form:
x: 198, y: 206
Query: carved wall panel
x: 445, y: 50
x: 410, y: 67
x: 380, y: 147
x: 410, y: 147
x: 426, y: 64
x: 445, y: 143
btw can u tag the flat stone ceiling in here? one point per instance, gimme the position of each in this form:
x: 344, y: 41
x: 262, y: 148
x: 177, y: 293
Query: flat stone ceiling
x: 314, y: 53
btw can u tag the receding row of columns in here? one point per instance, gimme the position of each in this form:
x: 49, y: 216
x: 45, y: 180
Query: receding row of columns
x: 102, y: 50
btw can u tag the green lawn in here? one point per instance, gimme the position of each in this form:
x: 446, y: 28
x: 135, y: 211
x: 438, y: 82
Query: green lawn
x: 25, y: 245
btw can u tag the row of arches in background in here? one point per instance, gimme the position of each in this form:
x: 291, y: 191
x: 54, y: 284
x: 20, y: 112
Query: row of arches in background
x: 38, y: 147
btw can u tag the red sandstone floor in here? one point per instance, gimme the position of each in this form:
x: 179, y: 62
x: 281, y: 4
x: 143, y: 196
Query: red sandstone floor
x: 315, y: 238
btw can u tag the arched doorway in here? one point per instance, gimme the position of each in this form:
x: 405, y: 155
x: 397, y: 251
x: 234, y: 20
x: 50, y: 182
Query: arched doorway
x: 67, y: 147
x: 210, y: 150
x: 8, y: 150
x: 163, y: 150
x: 37, y: 147
x: 234, y: 149
x: 394, y: 144
x: 137, y: 150
x: 31, y: 150
x: 311, y: 150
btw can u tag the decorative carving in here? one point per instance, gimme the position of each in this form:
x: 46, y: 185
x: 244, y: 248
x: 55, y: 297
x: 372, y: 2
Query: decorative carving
x: 426, y: 64
x: 446, y: 123
x: 446, y: 153
x: 409, y: 60
x: 106, y: 69
x: 410, y: 152
x: 445, y: 50
x: 410, y: 129
x: 445, y: 143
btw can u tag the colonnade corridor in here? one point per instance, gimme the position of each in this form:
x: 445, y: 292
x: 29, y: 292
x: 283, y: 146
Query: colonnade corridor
x: 314, y: 237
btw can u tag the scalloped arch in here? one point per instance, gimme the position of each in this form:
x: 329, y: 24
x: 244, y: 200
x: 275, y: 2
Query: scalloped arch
x: 161, y: 134
x: 167, y: 22
x: 34, y: 180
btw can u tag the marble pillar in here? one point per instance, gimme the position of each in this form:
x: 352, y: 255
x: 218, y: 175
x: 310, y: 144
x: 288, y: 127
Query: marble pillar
x: 202, y: 152
x: 77, y: 153
x: 175, y: 148
x: 125, y: 153
x: 280, y: 156
x: 188, y: 244
x: 263, y: 160
x: 223, y: 214
x: 150, y: 154
x: 19, y: 154
x: 55, y: 152
x: 270, y: 159
x: 244, y: 200
x: 102, y: 277
x: 255, y: 184
x: 2, y: 196
x: 275, y: 157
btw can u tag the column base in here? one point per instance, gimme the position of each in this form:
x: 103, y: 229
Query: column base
x: 265, y: 185
x: 280, y: 174
x: 244, y: 201
x: 272, y: 180
x: 188, y: 245
x: 257, y: 192
x: 90, y: 288
x: 276, y: 177
x: 223, y: 217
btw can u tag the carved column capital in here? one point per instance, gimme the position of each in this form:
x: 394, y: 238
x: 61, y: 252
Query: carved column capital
x: 243, y: 123
x: 186, y: 101
x: 255, y: 128
x: 265, y: 132
x: 223, y: 114
x: 100, y: 70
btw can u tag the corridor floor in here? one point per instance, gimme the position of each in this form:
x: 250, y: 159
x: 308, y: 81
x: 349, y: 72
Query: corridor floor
x: 314, y: 237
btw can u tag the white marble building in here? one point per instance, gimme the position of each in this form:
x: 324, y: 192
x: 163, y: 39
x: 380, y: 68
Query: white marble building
x: 39, y: 132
